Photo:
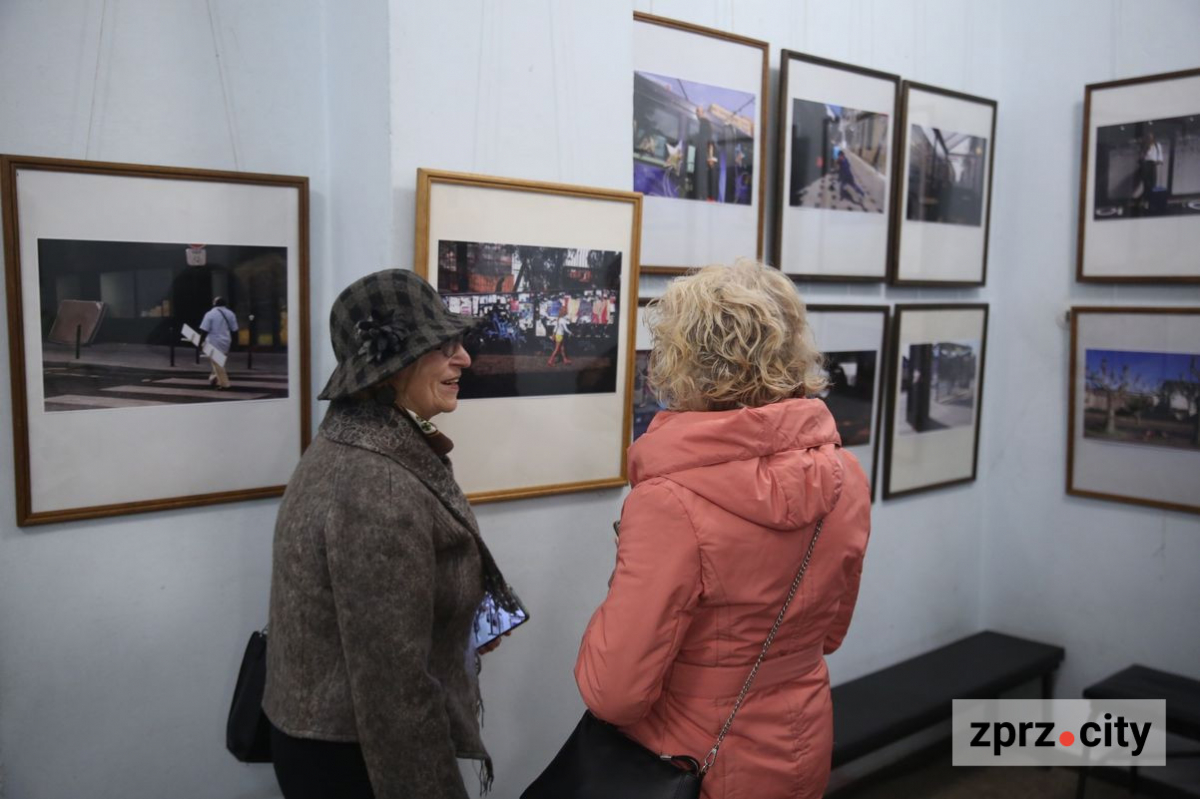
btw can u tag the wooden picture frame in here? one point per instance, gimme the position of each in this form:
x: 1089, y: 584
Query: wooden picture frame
x: 1133, y: 431
x: 837, y: 336
x: 818, y: 235
x: 1136, y: 225
x: 689, y: 79
x: 525, y: 256
x: 933, y: 447
x: 942, y: 205
x: 112, y: 249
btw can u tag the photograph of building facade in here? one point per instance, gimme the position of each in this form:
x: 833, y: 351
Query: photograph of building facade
x: 145, y: 295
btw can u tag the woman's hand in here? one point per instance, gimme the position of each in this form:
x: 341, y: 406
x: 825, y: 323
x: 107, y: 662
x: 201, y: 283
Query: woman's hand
x: 491, y: 645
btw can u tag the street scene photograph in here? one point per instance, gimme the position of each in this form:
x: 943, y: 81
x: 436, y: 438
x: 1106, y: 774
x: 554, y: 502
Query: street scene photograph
x: 137, y: 324
x: 692, y: 141
x: 1146, y: 398
x: 851, y: 393
x: 645, y: 404
x: 839, y: 158
x: 945, y: 176
x: 938, y: 386
x: 551, y: 320
x: 1148, y: 168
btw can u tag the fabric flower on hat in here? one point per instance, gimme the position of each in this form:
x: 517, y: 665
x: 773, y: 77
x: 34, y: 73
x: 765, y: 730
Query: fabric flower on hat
x: 380, y: 336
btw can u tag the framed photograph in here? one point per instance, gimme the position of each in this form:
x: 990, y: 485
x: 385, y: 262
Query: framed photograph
x: 853, y: 339
x: 836, y: 158
x: 1139, y: 202
x: 158, y: 335
x: 699, y: 121
x: 943, y: 195
x: 935, y: 396
x: 1134, y: 432
x: 553, y: 272
x: 644, y: 405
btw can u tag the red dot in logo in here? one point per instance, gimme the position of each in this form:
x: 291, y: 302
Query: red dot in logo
x: 1066, y: 739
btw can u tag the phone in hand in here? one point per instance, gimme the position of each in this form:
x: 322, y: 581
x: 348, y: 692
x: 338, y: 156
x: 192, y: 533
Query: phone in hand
x: 493, y: 621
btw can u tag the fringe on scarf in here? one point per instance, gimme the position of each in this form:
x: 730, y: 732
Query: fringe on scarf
x: 486, y: 776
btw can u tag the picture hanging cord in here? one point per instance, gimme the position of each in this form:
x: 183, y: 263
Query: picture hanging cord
x: 87, y: 145
x: 212, y: 27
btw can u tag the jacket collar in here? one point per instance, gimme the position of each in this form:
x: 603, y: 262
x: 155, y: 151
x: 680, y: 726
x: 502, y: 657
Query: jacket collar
x: 390, y: 432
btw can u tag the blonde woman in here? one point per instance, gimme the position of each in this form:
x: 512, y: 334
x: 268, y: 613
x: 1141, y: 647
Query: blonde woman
x: 729, y: 484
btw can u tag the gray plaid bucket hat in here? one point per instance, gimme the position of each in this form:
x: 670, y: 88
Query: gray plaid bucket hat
x: 383, y: 322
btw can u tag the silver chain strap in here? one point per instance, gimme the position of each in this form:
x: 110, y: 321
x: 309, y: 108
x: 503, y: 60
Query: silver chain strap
x: 711, y: 757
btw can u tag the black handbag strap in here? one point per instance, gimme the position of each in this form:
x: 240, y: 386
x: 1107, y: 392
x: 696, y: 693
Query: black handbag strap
x: 711, y: 757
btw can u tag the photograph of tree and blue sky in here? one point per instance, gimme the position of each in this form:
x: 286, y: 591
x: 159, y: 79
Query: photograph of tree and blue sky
x: 1138, y: 397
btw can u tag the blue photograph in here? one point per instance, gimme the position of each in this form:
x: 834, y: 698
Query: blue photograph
x: 692, y: 141
x: 1136, y: 397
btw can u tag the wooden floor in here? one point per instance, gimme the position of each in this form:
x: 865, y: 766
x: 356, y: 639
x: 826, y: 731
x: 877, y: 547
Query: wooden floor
x: 940, y: 780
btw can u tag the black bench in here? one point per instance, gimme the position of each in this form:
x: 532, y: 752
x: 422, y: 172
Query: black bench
x: 1141, y: 682
x: 887, y: 705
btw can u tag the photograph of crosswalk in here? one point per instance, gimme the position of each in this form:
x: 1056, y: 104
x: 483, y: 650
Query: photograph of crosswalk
x: 72, y: 388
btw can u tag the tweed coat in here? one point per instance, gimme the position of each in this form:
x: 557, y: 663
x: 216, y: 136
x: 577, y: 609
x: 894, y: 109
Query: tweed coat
x: 724, y: 505
x: 375, y: 582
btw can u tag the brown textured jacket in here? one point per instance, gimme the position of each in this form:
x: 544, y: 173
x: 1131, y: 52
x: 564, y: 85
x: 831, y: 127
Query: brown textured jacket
x: 375, y: 581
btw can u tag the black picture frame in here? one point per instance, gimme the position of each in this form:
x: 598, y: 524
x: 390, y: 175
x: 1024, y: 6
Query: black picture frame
x: 895, y: 378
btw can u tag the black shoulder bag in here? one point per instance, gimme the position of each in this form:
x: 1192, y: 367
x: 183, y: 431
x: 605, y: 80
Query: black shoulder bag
x: 247, y: 731
x: 599, y: 762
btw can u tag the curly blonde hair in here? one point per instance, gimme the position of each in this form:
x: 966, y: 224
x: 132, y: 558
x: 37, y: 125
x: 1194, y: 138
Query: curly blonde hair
x: 732, y: 337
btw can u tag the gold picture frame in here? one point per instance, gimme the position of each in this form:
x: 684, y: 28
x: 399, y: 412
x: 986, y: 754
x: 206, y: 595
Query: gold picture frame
x: 522, y: 255
x: 119, y: 241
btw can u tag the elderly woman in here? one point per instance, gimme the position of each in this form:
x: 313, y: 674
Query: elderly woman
x: 379, y: 567
x: 729, y: 485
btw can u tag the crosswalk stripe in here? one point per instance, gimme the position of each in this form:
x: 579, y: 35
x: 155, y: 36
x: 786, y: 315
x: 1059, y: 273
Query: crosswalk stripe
x: 100, y: 402
x: 183, y: 381
x: 209, y: 394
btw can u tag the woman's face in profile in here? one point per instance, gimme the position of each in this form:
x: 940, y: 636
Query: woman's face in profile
x: 429, y: 386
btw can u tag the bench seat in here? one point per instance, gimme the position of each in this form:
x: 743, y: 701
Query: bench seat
x: 882, y: 707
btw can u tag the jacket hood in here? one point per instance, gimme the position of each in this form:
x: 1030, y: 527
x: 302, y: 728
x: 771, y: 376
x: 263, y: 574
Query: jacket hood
x: 775, y: 466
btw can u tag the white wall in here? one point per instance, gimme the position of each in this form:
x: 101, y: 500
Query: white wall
x: 1115, y: 584
x: 119, y: 638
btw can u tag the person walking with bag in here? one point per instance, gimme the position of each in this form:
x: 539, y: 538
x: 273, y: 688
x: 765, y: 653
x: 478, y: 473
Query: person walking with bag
x: 731, y: 487
x: 218, y: 326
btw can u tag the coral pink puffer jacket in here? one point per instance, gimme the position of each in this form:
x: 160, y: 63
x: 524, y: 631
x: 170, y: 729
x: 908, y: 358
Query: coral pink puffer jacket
x: 723, y: 507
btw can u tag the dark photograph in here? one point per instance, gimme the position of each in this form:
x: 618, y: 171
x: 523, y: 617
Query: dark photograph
x: 1142, y: 398
x: 692, y: 141
x: 550, y: 317
x: 1149, y: 168
x: 133, y: 324
x: 839, y: 158
x: 945, y: 176
x: 645, y: 404
x: 851, y: 393
x: 937, y: 385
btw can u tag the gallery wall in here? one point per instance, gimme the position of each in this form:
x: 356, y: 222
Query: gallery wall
x: 119, y: 638
x: 543, y: 91
x: 1115, y: 584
